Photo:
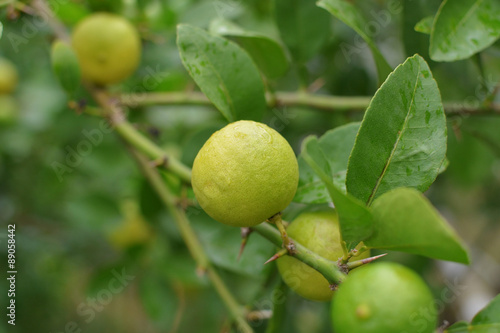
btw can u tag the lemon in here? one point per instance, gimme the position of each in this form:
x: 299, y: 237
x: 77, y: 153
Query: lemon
x: 244, y: 174
x: 383, y: 298
x: 108, y: 48
x: 319, y: 232
x: 9, y: 109
x: 8, y: 76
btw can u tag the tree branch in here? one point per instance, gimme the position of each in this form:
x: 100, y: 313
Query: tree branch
x: 191, y: 240
x: 327, y: 268
x: 300, y: 98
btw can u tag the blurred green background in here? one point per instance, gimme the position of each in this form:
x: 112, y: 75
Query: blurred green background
x: 78, y: 229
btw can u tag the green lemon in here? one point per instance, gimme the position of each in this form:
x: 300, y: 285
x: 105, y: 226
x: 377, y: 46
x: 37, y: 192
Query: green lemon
x: 244, y: 174
x: 9, y: 109
x: 383, y: 298
x: 108, y: 48
x: 319, y: 232
x: 8, y: 76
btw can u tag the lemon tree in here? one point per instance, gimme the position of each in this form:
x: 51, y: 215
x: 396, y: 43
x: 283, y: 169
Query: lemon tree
x: 384, y: 298
x: 244, y: 174
x: 319, y: 232
x: 108, y: 48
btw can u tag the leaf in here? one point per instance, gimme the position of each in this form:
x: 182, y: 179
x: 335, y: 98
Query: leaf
x: 463, y: 28
x: 349, y: 14
x: 158, y: 298
x: 224, y: 72
x: 425, y: 25
x: 337, y: 145
x: 485, y: 321
x: 402, y: 138
x: 354, y: 217
x: 303, y: 27
x: 267, y: 53
x: 222, y: 245
x: 404, y: 220
x: 489, y: 314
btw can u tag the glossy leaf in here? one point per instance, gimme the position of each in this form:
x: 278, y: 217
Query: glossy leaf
x: 463, y: 28
x: 425, y: 25
x: 354, y: 217
x: 349, y: 14
x: 402, y: 138
x: 337, y: 145
x: 267, y: 53
x: 404, y: 220
x: 303, y: 27
x: 224, y: 72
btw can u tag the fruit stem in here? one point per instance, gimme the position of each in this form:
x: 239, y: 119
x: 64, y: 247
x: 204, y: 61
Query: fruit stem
x: 190, y: 238
x: 327, y: 268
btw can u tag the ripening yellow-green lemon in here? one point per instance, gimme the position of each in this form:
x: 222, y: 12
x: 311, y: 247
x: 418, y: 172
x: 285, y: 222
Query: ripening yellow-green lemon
x: 320, y: 233
x: 8, y: 76
x: 383, y: 298
x: 244, y: 174
x: 108, y: 48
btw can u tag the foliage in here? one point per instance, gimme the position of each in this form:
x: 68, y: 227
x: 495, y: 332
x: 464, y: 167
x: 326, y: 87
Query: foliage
x: 392, y: 108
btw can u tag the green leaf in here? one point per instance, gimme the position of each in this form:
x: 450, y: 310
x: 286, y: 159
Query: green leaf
x: 303, y: 27
x: 267, y: 53
x: 354, y: 217
x: 224, y: 72
x: 65, y: 66
x: 158, y: 298
x: 402, y: 139
x: 463, y: 28
x: 425, y: 25
x: 349, y: 14
x: 489, y: 314
x: 404, y: 220
x: 222, y: 245
x: 337, y: 145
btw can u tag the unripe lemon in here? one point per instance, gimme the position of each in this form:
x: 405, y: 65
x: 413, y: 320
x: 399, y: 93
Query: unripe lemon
x: 383, y: 298
x: 244, y: 174
x: 108, y: 48
x: 8, y: 76
x: 9, y: 109
x: 320, y: 233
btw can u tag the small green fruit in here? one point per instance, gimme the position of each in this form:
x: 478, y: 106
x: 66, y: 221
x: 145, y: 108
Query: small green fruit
x: 244, y: 174
x: 383, y: 298
x: 9, y: 109
x: 319, y: 232
x: 8, y: 76
x: 108, y: 48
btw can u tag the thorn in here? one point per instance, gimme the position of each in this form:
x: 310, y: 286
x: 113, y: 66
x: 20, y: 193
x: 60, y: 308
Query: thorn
x: 280, y: 253
x: 245, y: 233
x: 357, y: 263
